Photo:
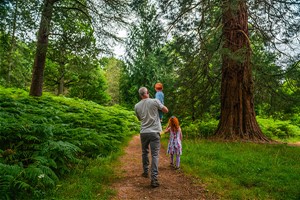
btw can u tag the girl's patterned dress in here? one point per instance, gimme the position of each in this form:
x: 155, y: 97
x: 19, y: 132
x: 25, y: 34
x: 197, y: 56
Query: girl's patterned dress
x: 174, y: 146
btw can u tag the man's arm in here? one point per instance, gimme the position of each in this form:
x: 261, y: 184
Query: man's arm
x: 165, y: 109
x: 161, y: 107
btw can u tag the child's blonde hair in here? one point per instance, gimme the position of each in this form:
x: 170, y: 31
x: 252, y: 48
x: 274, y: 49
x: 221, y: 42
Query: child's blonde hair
x: 173, y: 123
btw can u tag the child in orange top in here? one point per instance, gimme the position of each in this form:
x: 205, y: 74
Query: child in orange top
x: 174, y: 145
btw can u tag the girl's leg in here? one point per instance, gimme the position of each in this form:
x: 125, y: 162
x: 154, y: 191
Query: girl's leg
x: 177, y: 160
x: 171, y: 161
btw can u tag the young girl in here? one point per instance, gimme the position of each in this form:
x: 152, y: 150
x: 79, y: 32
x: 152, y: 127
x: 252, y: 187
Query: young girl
x: 174, y: 146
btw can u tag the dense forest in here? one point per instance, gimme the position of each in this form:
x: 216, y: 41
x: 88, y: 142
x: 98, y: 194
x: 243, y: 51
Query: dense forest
x: 230, y: 71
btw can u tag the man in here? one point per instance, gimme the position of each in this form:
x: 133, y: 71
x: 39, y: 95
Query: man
x: 147, y: 112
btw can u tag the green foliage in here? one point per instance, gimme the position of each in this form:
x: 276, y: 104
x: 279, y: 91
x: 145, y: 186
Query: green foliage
x: 90, y: 85
x: 199, y: 129
x: 279, y: 130
x: 42, y: 139
x: 146, y: 60
x: 15, y: 67
x: 295, y: 118
x: 196, y: 30
x: 112, y: 68
x: 286, y: 131
x: 197, y: 57
x: 26, y: 182
x: 72, y: 47
x: 69, y: 72
x: 88, y: 182
x: 77, y: 76
x: 244, y: 170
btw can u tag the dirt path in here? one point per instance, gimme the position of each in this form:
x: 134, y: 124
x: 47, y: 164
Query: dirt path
x: 297, y: 144
x: 173, y: 184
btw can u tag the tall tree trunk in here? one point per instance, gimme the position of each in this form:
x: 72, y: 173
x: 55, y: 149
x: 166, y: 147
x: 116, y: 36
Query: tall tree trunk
x: 11, y: 61
x: 61, y: 86
x: 41, y: 50
x: 238, y: 120
x: 61, y: 83
x: 62, y: 71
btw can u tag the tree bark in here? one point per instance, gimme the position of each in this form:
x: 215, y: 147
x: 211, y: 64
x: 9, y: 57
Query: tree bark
x: 61, y: 83
x: 11, y: 62
x: 238, y: 120
x: 41, y: 50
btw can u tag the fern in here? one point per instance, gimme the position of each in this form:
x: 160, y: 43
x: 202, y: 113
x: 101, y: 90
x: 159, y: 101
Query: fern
x: 8, y: 174
x: 61, y: 153
x: 44, y: 138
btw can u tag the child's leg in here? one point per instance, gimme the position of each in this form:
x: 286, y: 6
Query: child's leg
x: 177, y: 160
x: 160, y: 115
x: 171, y: 156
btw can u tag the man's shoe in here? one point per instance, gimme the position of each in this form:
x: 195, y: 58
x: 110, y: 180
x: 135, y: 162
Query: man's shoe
x: 154, y: 183
x: 145, y: 175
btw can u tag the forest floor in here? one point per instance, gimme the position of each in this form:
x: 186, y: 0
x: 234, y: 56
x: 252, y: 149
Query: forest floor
x: 174, y: 184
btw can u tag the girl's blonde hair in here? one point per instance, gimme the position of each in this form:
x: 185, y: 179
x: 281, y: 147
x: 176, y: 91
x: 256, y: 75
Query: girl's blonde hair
x: 173, y: 123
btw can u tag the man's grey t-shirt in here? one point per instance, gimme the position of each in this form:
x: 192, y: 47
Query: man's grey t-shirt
x: 147, y: 112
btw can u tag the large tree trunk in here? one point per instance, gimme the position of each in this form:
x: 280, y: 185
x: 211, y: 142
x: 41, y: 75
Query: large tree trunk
x: 238, y: 120
x: 41, y: 50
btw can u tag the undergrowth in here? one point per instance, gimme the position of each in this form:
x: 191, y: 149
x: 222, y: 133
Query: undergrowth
x: 43, y: 139
x: 284, y: 131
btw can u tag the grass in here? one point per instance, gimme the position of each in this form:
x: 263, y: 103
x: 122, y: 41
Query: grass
x: 91, y: 182
x: 87, y: 183
x: 244, y: 170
